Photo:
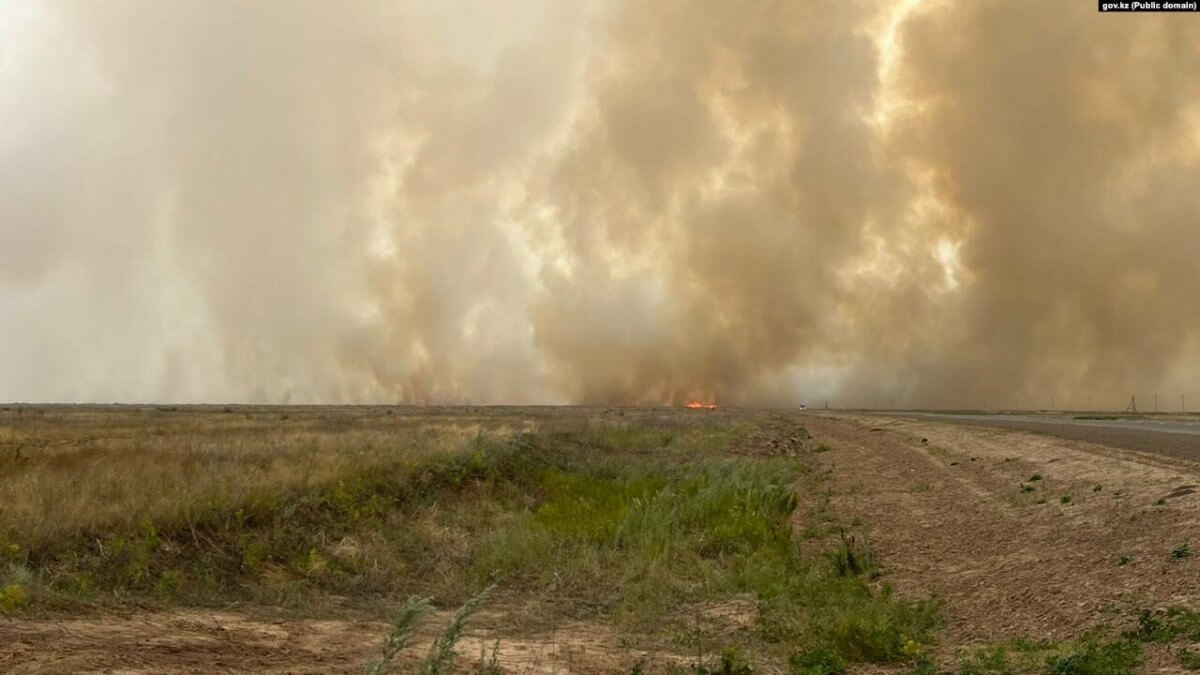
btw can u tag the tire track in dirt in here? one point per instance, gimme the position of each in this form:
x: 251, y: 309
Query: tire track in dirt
x: 948, y: 518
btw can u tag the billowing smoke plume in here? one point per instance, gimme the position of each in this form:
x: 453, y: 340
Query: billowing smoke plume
x: 931, y: 203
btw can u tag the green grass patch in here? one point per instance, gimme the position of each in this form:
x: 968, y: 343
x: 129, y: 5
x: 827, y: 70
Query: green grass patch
x: 1092, y: 655
x: 1095, y: 656
x: 649, y: 539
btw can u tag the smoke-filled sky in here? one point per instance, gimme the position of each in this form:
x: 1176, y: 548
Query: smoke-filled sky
x: 919, y: 203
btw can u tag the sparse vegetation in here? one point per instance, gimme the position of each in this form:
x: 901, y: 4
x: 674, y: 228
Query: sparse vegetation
x: 730, y: 662
x: 986, y: 661
x: 1167, y: 625
x: 1065, y: 499
x: 403, y: 624
x: 1094, y: 656
x: 1094, y: 653
x: 1188, y: 659
x: 1183, y: 550
x: 441, y: 654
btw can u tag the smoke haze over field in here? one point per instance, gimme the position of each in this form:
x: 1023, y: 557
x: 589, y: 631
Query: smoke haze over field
x: 925, y: 203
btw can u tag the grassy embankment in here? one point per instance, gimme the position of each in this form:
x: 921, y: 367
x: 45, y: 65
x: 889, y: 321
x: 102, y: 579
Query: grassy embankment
x: 640, y: 522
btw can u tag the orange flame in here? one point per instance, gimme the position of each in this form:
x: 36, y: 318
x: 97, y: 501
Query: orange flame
x: 698, y: 405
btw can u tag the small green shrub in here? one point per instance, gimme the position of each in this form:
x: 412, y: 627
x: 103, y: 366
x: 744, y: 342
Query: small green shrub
x: 440, y: 659
x: 13, y: 597
x: 441, y: 653
x: 850, y: 558
x: 404, y: 622
x: 816, y: 661
x: 1181, y: 551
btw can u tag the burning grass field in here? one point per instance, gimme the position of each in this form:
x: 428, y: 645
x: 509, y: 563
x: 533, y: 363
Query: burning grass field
x: 613, y: 540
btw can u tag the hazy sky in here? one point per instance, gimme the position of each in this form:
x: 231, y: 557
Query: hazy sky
x: 930, y: 203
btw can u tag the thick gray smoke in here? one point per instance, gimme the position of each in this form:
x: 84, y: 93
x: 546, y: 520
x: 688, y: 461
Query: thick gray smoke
x: 935, y: 203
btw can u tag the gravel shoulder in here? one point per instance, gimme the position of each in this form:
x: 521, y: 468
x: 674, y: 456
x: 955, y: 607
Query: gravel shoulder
x: 1177, y: 436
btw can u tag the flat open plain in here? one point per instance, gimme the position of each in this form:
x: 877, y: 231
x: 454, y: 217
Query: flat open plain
x: 213, y: 539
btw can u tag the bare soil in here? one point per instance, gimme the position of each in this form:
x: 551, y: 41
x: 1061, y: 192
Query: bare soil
x: 184, y: 641
x: 192, y: 641
x: 943, y: 508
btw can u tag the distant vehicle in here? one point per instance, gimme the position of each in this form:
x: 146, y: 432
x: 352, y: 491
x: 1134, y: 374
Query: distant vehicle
x: 803, y: 405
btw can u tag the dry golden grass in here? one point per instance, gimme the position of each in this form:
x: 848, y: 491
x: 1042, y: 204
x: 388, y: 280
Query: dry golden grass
x: 73, y: 469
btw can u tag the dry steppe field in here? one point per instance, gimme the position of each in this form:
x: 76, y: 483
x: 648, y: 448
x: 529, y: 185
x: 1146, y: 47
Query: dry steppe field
x: 592, y: 540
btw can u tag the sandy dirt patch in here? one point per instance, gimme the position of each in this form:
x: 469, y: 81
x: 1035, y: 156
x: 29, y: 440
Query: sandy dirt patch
x: 191, y: 641
x: 1084, y: 545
